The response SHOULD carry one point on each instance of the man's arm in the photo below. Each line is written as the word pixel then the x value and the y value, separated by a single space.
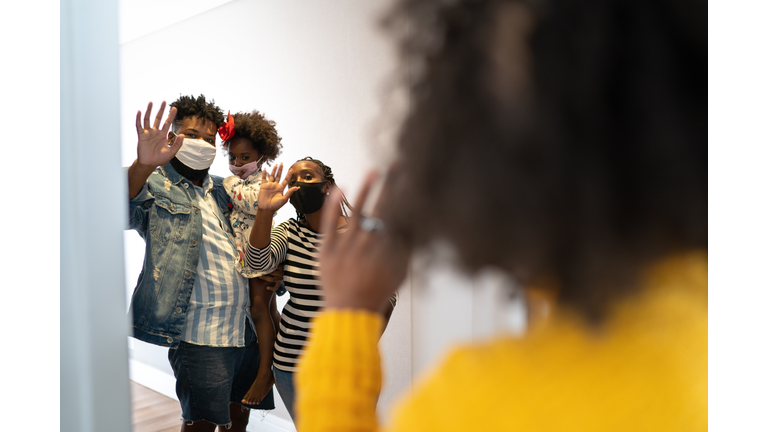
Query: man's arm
pixel 153 148
pixel 137 176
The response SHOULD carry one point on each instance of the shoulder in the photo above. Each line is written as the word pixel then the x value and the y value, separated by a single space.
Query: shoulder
pixel 230 181
pixel 159 183
pixel 216 180
pixel 648 358
pixel 289 225
pixel 157 177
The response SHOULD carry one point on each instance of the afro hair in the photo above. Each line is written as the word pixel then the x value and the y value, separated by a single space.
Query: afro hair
pixel 260 131
pixel 189 106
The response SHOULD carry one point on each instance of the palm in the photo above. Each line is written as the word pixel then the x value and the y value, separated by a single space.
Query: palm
pixel 153 148
pixel 272 193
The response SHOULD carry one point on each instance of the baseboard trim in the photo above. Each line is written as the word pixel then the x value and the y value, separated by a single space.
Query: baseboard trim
pixel 165 384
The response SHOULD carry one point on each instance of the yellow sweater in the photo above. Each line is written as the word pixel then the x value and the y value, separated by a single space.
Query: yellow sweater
pixel 645 370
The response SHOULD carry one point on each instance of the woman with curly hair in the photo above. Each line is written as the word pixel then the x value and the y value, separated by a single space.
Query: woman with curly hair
pixel 251 140
pixel 565 143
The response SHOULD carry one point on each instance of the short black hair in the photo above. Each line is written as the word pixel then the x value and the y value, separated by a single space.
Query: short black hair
pixel 260 131
pixel 189 106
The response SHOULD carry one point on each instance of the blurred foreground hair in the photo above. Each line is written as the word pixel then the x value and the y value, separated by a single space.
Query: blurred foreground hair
pixel 562 141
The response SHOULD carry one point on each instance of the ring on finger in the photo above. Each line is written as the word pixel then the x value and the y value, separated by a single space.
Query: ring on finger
pixel 371 224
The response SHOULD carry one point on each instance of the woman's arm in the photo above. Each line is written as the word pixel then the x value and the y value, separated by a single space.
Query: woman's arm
pixel 271 199
pixel 340 375
pixel 262 254
pixel 267 259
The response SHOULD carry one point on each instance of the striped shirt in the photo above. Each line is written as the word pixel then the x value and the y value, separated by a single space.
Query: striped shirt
pixel 296 246
pixel 219 304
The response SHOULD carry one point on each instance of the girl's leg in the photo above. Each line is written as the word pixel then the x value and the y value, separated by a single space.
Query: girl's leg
pixel 265 331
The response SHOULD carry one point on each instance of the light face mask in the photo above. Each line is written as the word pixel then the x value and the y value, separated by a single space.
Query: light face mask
pixel 196 154
pixel 246 170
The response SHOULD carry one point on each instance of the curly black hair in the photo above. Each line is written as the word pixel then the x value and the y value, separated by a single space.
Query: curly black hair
pixel 189 106
pixel 260 131
pixel 561 141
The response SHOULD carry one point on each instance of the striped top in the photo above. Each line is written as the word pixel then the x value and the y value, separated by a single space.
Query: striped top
pixel 219 304
pixel 296 245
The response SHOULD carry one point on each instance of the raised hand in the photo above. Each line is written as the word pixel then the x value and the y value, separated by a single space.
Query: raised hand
pixel 271 193
pixel 153 149
pixel 362 267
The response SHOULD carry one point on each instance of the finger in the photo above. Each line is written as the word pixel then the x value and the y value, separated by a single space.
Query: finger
pixel 362 197
pixel 159 116
pixel 274 169
pixel 331 213
pixel 291 191
pixel 146 115
pixel 169 121
pixel 177 143
pixel 279 172
pixel 139 129
pixel 287 178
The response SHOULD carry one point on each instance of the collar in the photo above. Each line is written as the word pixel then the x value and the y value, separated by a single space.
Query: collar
pixel 171 174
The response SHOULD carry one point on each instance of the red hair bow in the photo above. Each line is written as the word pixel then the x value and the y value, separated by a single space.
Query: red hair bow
pixel 227 131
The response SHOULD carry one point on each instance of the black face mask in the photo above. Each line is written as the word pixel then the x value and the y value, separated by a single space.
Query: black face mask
pixel 309 198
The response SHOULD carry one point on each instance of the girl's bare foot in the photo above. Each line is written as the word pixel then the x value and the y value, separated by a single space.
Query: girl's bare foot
pixel 258 390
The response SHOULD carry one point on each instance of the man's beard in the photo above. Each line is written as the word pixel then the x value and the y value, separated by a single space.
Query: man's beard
pixel 189 173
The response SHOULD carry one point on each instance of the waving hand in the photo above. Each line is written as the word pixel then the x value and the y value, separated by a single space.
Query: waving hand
pixel 153 149
pixel 271 196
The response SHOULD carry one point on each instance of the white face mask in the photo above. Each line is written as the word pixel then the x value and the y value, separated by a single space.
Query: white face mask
pixel 196 154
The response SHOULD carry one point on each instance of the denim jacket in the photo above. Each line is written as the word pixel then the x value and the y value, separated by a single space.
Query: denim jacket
pixel 167 215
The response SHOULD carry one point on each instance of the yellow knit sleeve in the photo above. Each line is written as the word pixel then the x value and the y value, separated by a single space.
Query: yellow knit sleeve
pixel 339 376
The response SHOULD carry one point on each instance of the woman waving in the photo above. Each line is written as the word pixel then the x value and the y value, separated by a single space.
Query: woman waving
pixel 295 242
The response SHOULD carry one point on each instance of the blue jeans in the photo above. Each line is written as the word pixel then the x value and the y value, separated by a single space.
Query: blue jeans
pixel 286 389
pixel 209 378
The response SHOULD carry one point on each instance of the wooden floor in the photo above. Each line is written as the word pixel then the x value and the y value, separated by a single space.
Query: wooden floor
pixel 153 412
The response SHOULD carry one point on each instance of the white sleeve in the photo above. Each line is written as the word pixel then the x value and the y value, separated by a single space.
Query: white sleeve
pixel 244 194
